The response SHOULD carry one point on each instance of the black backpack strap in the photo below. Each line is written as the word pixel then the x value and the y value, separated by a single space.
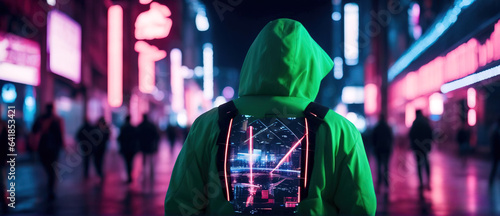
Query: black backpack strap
pixel 314 114
pixel 227 112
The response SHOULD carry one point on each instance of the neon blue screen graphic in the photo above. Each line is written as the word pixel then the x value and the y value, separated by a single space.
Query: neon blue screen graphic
pixel 265 164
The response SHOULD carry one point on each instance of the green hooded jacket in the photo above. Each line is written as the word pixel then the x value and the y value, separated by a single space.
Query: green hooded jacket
pixel 281 75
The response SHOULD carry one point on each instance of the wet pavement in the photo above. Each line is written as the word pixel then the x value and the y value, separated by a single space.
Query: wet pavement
pixel 457 187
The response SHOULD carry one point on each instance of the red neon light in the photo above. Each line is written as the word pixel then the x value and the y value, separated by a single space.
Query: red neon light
pixel 115 56
pixel 307 153
pixel 471 98
pixel 471 117
pixel 225 158
pixel 288 153
pixel 250 151
pixel 148 55
pixel 154 23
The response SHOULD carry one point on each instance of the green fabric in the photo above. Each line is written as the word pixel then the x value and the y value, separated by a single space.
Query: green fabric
pixel 281 75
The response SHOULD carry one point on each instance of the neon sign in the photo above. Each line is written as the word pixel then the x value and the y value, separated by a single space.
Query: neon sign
pixel 464 60
pixel 208 71
pixel 176 80
pixel 152 24
pixel 19 60
pixel 148 55
pixel 64 42
pixel 115 56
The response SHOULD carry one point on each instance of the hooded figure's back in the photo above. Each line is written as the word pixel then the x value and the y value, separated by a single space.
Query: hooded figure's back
pixel 280 76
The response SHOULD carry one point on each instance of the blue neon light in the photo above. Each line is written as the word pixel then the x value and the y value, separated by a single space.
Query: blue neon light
pixel 429 38
pixel 9 93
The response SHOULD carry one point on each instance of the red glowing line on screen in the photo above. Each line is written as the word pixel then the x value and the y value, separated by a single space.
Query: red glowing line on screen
pixel 307 153
pixel 115 56
pixel 288 153
pixel 250 151
pixel 225 158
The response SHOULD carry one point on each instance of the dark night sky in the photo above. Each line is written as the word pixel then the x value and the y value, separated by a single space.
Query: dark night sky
pixel 233 30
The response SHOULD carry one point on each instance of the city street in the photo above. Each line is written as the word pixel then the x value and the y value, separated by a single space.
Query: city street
pixel 456 188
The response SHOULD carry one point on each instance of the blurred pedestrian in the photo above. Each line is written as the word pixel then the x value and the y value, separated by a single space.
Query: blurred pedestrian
pixel 495 149
pixel 86 144
pixel 463 140
pixel 49 135
pixel 100 147
pixel 172 134
pixel 148 140
pixel 4 145
pixel 420 140
pixel 128 145
pixel 382 142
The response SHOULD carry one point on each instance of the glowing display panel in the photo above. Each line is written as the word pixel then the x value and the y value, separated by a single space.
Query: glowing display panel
pixel 265 164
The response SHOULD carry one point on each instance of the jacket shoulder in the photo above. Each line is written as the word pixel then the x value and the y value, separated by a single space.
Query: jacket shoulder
pixel 343 132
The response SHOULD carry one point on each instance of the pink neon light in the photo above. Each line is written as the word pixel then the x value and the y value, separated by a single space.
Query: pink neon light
pixel 371 93
pixel 154 23
pixel 64 43
pixel 145 1
pixel 115 56
pixel 250 151
pixel 148 55
pixel 307 153
pixel 460 62
pixel 471 97
pixel 471 117
pixel 409 115
pixel 225 158
pixel 436 104
pixel 288 153
pixel 176 80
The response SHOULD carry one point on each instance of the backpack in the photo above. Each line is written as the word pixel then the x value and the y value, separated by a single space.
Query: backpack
pixel 265 164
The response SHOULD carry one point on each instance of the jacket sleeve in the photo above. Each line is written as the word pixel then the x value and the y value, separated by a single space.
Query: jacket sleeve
pixel 355 194
pixel 186 192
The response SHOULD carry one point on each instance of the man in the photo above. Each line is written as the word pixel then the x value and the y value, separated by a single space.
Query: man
pixel 49 133
pixel 382 141
pixel 148 142
pixel 420 141
pixel 86 143
pixel 128 145
pixel 281 75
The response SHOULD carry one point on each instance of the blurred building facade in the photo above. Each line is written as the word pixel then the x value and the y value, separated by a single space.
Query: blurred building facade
pixel 445 64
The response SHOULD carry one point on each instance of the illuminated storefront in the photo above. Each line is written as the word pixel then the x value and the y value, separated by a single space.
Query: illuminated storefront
pixel 455 88
pixel 19 74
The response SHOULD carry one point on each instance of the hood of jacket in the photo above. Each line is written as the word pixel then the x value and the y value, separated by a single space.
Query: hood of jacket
pixel 284 61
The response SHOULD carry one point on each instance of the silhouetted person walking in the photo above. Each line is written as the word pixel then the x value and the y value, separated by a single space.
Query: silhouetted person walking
pixel 148 140
pixel 49 133
pixel 128 145
pixel 172 134
pixel 100 148
pixel 382 142
pixel 86 145
pixel 420 141
pixel 495 149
